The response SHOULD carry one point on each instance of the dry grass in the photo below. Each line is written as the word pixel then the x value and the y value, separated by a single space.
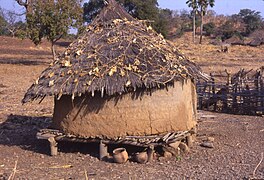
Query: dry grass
pixel 210 59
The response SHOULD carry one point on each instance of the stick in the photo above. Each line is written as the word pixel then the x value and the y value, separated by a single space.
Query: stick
pixel 12 175
pixel 261 159
pixel 53 146
pixel 85 173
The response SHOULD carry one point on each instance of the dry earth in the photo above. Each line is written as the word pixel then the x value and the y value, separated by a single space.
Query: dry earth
pixel 238 145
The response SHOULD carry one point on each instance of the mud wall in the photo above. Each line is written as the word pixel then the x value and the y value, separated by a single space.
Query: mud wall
pixel 139 113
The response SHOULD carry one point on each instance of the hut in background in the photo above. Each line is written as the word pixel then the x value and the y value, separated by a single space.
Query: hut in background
pixel 256 38
pixel 235 40
pixel 120 78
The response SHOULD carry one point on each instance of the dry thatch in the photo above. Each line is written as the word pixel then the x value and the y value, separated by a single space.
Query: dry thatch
pixel 235 40
pixel 257 38
pixel 116 54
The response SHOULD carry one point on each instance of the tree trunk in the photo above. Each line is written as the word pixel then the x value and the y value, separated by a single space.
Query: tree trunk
pixel 12 32
pixel 53 50
pixel 194 26
pixel 201 29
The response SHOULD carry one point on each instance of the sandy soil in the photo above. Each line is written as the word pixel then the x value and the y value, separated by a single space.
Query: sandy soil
pixel 238 144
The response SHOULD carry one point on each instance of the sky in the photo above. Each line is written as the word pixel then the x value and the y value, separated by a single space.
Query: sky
pixel 226 7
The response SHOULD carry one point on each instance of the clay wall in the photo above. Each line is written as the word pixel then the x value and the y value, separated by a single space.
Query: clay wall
pixel 138 113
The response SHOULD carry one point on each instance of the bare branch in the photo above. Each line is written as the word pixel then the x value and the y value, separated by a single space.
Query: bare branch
pixel 22 3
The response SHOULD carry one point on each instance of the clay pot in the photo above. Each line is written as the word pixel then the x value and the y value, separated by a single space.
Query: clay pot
pixel 141 157
pixel 120 155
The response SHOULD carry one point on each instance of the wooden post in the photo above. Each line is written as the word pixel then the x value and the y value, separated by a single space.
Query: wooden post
pixel 200 94
pixel 225 97
pixel 262 92
pixel 213 91
pixel 102 150
pixel 189 140
pixel 209 96
pixel 53 146
pixel 150 153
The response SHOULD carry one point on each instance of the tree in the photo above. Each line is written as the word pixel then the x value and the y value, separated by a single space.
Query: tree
pixel 147 9
pixel 203 5
pixel 3 22
pixel 209 28
pixel 91 9
pixel 27 4
pixel 139 9
pixel 144 10
pixel 252 20
pixel 194 5
pixel 10 23
pixel 164 21
pixel 51 19
pixel 13 22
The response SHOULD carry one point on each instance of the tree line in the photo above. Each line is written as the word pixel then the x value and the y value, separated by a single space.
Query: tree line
pixel 53 19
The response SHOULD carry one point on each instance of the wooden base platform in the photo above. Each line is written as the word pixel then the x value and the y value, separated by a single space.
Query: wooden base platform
pixel 149 142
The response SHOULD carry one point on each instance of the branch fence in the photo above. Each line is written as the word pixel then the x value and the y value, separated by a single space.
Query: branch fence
pixel 239 93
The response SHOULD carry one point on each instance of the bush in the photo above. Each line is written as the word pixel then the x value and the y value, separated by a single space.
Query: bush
pixel 209 28
pixel 226 31
pixel 252 19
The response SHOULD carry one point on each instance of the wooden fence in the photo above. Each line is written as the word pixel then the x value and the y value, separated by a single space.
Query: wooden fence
pixel 240 93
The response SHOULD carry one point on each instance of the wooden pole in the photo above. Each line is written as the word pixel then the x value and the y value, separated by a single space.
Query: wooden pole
pixel 213 90
pixel 150 153
pixel 53 146
pixel 189 140
pixel 102 150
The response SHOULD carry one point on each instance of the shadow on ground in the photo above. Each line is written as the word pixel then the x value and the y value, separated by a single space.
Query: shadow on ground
pixel 22 62
pixel 18 130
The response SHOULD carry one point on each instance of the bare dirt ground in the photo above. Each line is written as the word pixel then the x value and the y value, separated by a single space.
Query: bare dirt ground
pixel 238 145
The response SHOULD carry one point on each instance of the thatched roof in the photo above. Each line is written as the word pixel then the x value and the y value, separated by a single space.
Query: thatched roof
pixel 257 38
pixel 116 54
pixel 235 40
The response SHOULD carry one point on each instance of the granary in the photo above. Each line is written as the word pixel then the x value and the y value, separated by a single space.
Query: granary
pixel 120 78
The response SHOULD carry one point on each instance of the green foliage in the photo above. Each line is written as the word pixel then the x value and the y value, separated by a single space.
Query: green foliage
pixel 203 4
pixel 52 19
pixel 143 10
pixel 162 23
pixel 209 28
pixel 252 19
pixel 183 23
pixel 192 4
pixel 91 9
pixel 227 30
pixel 147 9
pixel 3 23
pixel 241 24
pixel 10 23
pixel 139 9
pixel 21 30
